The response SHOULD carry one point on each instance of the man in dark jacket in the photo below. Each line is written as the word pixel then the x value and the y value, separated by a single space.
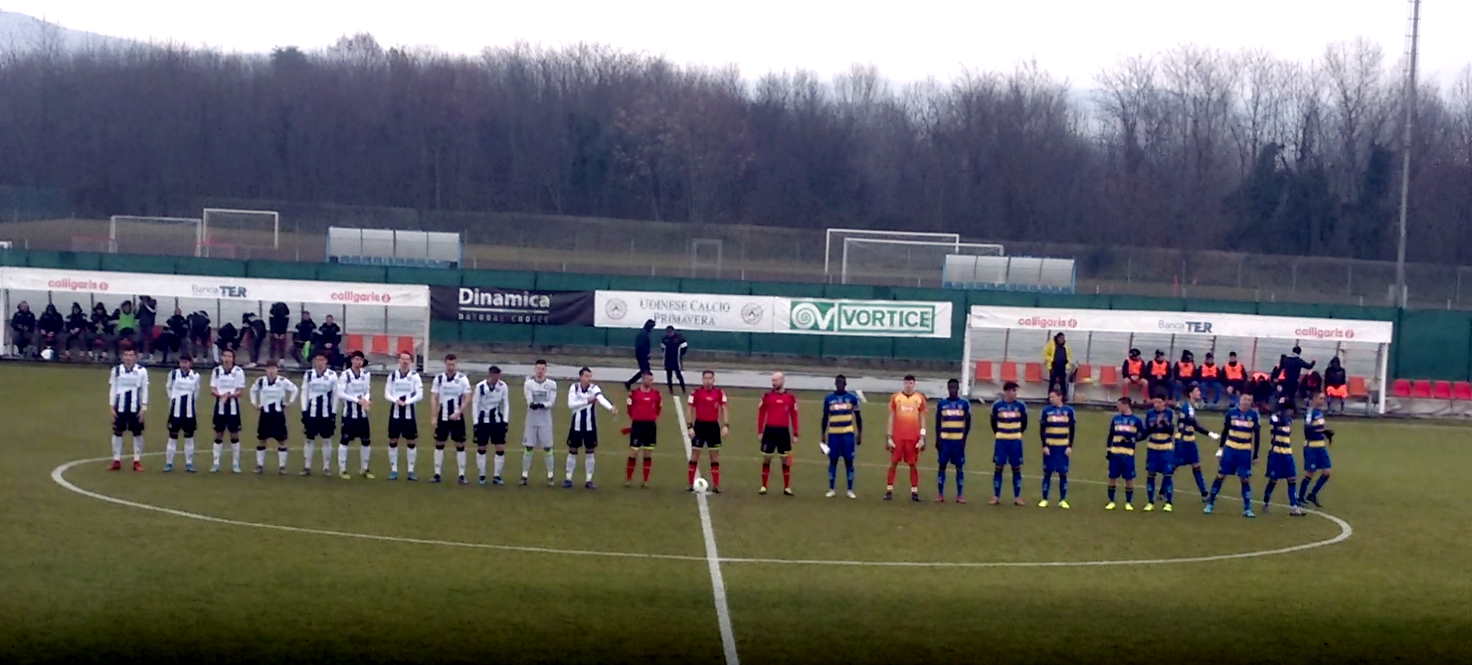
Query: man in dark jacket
pixel 280 326
pixel 23 328
pixel 50 326
pixel 1292 367
pixel 227 339
pixel 642 346
pixel 106 328
pixel 252 336
pixel 1336 384
pixel 329 341
pixel 199 334
pixel 147 318
pixel 79 330
pixel 174 335
pixel 675 346
pixel 301 340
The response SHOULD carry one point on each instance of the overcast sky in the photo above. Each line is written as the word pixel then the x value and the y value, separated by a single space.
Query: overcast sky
pixel 908 40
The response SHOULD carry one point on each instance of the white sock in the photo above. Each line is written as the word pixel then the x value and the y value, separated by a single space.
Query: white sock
pixel 572 465
pixel 137 448
pixel 169 447
pixel 480 462
pixel 215 450
pixel 413 457
pixel 342 457
pixel 308 449
pixel 235 453
pixel 439 460
pixel 551 462
pixel 281 457
pixel 460 461
pixel 189 451
pixel 117 449
pixel 500 463
pixel 260 457
pixel 327 457
pixel 363 458
pixel 393 459
pixel 526 463
pixel 588 463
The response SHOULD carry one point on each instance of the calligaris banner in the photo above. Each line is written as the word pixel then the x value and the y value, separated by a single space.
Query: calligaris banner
pixel 221 288
pixel 773 314
pixel 494 305
pixel 1182 323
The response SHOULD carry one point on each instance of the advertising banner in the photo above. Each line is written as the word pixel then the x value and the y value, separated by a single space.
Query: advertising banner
pixel 493 305
pixel 884 318
pixel 686 311
pixel 1183 323
pixel 223 288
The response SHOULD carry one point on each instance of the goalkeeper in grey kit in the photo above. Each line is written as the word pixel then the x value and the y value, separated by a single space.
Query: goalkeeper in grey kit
pixel 540 393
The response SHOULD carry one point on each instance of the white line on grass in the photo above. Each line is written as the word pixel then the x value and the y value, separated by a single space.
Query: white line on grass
pixel 712 556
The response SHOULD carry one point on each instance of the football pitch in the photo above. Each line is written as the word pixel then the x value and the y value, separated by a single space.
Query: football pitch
pixel 100 566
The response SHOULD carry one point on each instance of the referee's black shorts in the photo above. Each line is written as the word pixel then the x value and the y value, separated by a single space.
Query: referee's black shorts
pixel 707 435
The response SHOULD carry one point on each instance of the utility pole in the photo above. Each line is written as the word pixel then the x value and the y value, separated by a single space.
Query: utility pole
pixel 1409 102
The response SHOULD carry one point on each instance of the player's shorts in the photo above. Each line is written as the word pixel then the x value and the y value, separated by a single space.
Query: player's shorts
pixel 127 422
pixel 1160 461
pixel 1316 459
pixel 1121 466
pixel 355 428
pixel 583 440
pixel 272 425
pixel 403 428
pixel 776 441
pixel 1056 460
pixel 951 452
pixel 1007 452
pixel 537 435
pixel 449 430
pixel 1281 466
pixel 1187 454
pixel 707 435
pixel 905 452
pixel 841 446
pixel 643 434
pixel 492 433
pixel 227 423
pixel 185 426
pixel 1235 462
pixel 317 427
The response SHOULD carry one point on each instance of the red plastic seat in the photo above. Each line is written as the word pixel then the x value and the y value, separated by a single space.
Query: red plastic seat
pixel 1009 372
pixel 1441 390
pixel 1400 388
pixel 353 342
pixel 984 371
pixel 1085 372
pixel 1033 372
pixel 1421 389
pixel 1109 376
pixel 1462 391
pixel 1360 390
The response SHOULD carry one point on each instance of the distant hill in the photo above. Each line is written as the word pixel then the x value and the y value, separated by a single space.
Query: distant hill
pixel 23 33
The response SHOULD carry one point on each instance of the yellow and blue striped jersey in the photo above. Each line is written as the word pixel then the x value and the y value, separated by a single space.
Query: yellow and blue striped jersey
pixel 1124 431
pixel 841 413
pixel 1009 420
pixel 1160 429
pixel 1187 427
pixel 1241 429
pixel 1282 430
pixel 1058 424
pixel 953 419
pixel 1315 429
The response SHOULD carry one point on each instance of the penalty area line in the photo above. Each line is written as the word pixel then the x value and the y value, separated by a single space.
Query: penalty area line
pixel 712 555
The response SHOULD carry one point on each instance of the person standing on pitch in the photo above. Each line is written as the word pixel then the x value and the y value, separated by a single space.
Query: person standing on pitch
pixel 1317 438
pixel 709 425
pixel 491 404
pixel 1241 436
pixel 776 424
pixel 354 386
pixel 582 432
pixel 541 394
pixel 1160 447
pixel 182 387
pixel 674 346
pixel 272 394
pixel 952 426
pixel 319 417
pixel 402 390
pixel 1187 427
pixel 1009 423
pixel 1281 465
pixel 127 399
pixel 227 382
pixel 642 346
pixel 447 403
pixel 1058 424
pixel 1057 362
pixel 1124 431
pixel 841 430
pixel 905 437
pixel 645 404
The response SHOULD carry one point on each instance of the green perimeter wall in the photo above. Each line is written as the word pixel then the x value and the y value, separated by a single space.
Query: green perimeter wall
pixel 1432 344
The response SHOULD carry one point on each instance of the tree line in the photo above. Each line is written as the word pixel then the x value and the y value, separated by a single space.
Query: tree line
pixel 1188 148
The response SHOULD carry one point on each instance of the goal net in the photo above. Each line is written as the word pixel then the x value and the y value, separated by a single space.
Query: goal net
pixel 900 262
pixel 833 244
pixel 1006 344
pixel 170 236
pixel 230 231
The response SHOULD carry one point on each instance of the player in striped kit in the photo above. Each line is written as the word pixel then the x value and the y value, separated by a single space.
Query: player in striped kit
pixel 582 432
pixel 227 382
pixel 1241 434
pixel 541 394
pixel 183 389
pixel 1125 430
pixel 1009 423
pixel 403 389
pixel 1187 427
pixel 952 426
pixel 1317 438
pixel 1059 425
pixel 272 394
pixel 1160 448
pixel 840 431
pixel 491 403
pixel 354 385
pixel 127 399
pixel 1281 465
pixel 447 402
pixel 319 417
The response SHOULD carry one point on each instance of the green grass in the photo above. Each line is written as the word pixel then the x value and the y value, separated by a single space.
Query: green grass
pixel 87 580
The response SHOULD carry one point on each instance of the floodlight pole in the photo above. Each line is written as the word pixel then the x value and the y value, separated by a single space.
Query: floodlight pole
pixel 1409 102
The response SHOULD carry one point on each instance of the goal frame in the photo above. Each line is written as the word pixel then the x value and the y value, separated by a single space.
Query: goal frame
pixel 828 240
pixel 955 247
pixel 205 237
pixel 112 228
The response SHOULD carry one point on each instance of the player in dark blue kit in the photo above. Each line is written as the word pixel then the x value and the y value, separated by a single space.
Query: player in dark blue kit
pixel 1241 434
pixel 1281 465
pixel 842 428
pixel 1009 422
pixel 1057 424
pixel 1187 454
pixel 1160 449
pixel 1317 438
pixel 952 426
pixel 1124 430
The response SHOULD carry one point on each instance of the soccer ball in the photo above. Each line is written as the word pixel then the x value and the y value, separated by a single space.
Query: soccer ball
pixel 47 354
pixel 701 485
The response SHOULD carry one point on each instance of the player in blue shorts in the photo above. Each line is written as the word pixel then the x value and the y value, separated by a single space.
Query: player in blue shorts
pixel 1317 438
pixel 1187 427
pixel 842 427
pixel 1241 434
pixel 1160 449
pixel 1057 425
pixel 1009 422
pixel 1124 431
pixel 1281 465
pixel 952 426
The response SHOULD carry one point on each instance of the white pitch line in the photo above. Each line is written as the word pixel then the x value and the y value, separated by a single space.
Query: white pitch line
pixel 712 556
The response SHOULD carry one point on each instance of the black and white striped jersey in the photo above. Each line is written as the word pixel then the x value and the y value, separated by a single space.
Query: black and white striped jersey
pixel 183 389
pixel 351 389
pixel 319 393
pixel 231 384
pixel 451 391
pixel 272 396
pixel 581 401
pixel 128 389
pixel 405 385
pixel 492 403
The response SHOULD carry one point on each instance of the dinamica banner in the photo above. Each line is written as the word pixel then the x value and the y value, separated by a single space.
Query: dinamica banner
pixel 222 288
pixel 1182 323
pixel 878 318
pixel 686 311
pixel 493 305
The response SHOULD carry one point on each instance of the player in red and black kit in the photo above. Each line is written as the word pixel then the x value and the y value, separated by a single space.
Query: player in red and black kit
pixel 644 403
pixel 776 420
pixel 709 423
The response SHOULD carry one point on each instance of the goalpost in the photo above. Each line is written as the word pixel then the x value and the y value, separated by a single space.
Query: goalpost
pixel 907 262
pixel 226 231
pixel 138 234
pixel 840 234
